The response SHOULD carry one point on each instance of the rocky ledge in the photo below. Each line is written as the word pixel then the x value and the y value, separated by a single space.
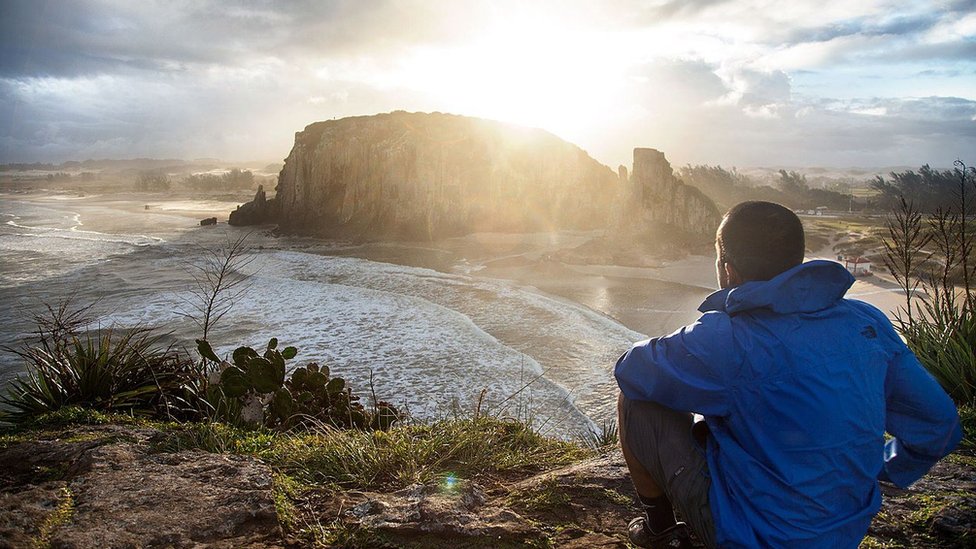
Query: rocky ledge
pixel 114 486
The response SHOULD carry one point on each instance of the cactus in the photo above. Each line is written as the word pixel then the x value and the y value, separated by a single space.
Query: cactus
pixel 262 376
pixel 242 355
pixel 254 389
pixel 385 416
pixel 233 382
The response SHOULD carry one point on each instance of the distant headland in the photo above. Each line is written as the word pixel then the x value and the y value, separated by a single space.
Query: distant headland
pixel 422 176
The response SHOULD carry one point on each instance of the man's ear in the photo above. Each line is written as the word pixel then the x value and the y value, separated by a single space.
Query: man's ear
pixel 732 275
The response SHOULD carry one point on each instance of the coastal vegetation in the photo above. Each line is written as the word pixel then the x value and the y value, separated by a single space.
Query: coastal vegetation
pixel 234 179
pixel 325 445
pixel 931 258
pixel 927 188
pixel 143 175
pixel 728 187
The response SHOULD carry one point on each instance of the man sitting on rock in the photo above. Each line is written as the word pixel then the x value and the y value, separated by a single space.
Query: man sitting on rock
pixel 797 386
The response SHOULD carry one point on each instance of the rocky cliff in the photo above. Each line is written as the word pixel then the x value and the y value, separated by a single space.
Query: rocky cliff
pixel 423 176
pixel 656 199
pixel 654 215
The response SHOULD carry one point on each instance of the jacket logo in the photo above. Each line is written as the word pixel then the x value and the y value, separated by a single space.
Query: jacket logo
pixel 869 332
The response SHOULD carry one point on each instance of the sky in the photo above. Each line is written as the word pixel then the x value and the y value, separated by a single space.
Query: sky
pixel 865 83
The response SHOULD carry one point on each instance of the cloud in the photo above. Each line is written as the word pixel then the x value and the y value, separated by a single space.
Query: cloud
pixel 755 88
pixel 732 81
pixel 876 132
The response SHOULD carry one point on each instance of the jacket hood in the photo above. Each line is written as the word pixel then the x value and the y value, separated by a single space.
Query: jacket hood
pixel 806 288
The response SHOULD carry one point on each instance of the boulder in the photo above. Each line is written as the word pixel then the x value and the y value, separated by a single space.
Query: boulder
pixel 256 212
pixel 105 487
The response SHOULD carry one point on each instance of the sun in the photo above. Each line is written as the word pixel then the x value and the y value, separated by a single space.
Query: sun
pixel 563 79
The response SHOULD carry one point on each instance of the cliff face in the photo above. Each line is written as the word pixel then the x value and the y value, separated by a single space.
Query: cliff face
pixel 422 176
pixel 656 198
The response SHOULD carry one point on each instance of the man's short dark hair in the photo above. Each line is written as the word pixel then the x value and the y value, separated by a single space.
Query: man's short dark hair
pixel 760 239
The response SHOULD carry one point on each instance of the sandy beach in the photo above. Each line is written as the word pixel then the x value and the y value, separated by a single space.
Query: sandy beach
pixel 451 317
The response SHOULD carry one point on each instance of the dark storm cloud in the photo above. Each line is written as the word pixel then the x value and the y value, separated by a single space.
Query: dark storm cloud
pixel 934 130
pixel 769 125
pixel 964 51
pixel 104 78
pixel 47 38
pixel 962 6
pixel 905 25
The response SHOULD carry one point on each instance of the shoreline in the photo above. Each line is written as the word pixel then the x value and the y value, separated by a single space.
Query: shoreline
pixel 583 317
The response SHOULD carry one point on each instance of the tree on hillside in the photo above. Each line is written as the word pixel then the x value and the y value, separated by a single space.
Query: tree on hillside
pixel 928 189
pixel 793 183
pixel 233 180
pixel 152 182
pixel 728 187
pixel 239 179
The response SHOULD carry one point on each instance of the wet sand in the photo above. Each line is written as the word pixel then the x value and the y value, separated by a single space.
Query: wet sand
pixel 654 300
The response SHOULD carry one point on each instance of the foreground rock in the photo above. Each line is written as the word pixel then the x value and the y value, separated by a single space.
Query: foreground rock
pixel 587 505
pixel 581 506
pixel 103 487
pixel 111 486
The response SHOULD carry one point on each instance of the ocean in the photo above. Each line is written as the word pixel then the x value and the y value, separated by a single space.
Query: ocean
pixel 433 327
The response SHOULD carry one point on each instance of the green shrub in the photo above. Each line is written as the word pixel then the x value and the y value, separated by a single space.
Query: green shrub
pixel 967 416
pixel 933 260
pixel 253 391
pixel 945 343
pixel 110 371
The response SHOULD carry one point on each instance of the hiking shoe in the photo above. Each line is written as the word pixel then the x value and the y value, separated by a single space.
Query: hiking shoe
pixel 675 537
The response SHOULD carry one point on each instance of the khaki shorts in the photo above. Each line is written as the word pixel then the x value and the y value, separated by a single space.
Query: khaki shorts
pixel 661 439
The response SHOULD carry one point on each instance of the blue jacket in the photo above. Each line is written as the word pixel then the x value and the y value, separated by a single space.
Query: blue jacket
pixel 798 386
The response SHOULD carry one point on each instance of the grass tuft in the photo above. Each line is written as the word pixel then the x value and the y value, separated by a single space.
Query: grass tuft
pixel 547 495
pixel 285 490
pixel 967 417
pixel 60 516
pixel 392 459
pixel 107 371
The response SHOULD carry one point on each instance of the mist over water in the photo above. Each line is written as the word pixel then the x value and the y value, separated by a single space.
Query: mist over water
pixel 430 325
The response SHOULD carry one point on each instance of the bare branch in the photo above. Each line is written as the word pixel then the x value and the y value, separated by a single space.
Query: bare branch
pixel 218 282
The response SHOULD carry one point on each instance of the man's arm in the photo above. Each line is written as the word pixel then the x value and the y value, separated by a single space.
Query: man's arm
pixel 921 418
pixel 684 371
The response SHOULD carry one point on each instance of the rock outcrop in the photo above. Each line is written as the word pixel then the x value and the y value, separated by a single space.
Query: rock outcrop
pixel 423 176
pixel 655 216
pixel 256 212
pixel 656 198
pixel 420 176
pixel 123 486
pixel 103 486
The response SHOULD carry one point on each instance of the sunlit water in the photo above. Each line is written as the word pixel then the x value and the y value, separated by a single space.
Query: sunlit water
pixel 425 325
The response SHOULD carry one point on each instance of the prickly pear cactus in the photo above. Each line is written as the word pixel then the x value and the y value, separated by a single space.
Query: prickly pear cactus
pixel 254 391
